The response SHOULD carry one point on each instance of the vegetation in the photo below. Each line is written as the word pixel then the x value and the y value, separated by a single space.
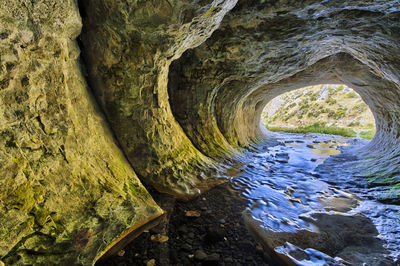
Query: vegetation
pixel 368 134
pixel 316 128
pixel 330 109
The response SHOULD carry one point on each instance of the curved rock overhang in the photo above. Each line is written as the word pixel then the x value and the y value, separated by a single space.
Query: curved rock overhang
pixel 182 85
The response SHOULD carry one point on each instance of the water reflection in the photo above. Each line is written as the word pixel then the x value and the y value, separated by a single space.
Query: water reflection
pixel 288 203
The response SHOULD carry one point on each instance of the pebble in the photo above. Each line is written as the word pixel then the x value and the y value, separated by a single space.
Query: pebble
pixel 183 229
pixel 159 238
pixel 228 260
pixel 214 257
pixel 200 255
pixel 192 214
pixel 215 233
pixel 151 262
pixel 186 247
pixel 222 221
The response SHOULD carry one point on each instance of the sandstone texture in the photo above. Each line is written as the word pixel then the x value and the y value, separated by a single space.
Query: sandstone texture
pixel 66 190
pixel 182 85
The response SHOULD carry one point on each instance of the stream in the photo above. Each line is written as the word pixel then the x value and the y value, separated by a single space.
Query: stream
pixel 303 219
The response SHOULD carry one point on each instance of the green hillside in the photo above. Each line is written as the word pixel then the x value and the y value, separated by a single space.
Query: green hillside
pixel 331 109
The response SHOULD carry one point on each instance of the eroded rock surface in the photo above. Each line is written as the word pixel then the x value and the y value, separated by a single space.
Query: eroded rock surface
pixel 129 46
pixel 66 190
pixel 182 84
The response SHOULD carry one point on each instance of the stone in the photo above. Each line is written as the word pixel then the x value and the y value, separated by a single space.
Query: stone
pixel 213 257
pixel 200 255
pixel 228 260
pixel 192 214
pixel 186 247
pixel 291 254
pixel 151 262
pixel 159 238
pixel 215 233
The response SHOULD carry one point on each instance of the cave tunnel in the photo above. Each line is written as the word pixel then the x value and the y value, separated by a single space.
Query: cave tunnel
pixel 101 97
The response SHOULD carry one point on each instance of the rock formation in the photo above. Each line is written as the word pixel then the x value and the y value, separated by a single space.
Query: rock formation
pixel 182 85
pixel 66 192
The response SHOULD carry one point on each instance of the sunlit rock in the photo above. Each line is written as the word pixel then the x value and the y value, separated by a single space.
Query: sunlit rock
pixel 67 193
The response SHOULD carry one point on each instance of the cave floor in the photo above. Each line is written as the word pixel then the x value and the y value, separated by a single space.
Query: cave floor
pixel 278 191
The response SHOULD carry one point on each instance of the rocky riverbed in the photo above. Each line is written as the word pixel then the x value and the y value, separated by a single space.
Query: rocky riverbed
pixel 279 207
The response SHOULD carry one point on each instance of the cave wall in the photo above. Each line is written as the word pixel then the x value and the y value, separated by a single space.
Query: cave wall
pixel 66 190
pixel 181 85
pixel 265 48
pixel 128 47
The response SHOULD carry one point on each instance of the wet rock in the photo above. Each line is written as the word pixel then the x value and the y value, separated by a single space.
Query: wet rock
pixel 292 255
pixel 333 233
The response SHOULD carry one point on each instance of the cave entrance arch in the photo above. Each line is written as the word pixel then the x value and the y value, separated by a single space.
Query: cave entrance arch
pixel 324 108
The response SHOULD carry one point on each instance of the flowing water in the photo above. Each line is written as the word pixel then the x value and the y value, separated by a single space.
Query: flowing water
pixel 303 219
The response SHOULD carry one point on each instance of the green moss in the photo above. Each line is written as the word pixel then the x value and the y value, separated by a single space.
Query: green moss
pixel 133 188
pixel 212 11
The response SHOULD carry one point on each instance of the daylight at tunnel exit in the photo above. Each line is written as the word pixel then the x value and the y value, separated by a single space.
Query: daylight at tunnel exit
pixel 209 132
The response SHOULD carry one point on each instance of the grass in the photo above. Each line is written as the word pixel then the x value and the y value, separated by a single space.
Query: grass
pixel 316 128
pixel 368 134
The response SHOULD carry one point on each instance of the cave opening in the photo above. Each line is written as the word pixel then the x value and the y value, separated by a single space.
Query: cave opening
pixel 325 108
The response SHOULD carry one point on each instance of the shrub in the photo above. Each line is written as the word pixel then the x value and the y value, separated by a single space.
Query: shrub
pixel 330 101
pixel 351 94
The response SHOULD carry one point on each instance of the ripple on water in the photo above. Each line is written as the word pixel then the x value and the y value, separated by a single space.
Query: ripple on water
pixel 289 206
